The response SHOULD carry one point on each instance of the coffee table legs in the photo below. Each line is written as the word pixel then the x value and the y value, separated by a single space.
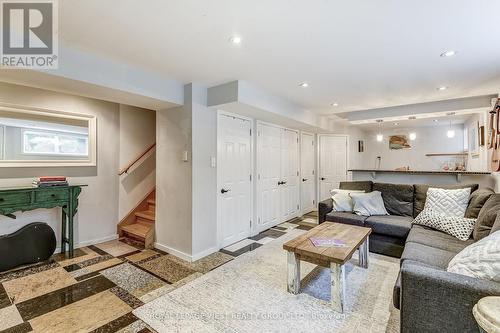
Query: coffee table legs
pixel 293 272
pixel 337 277
pixel 363 254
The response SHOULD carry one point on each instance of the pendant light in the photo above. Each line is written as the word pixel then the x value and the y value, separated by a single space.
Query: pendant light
pixel 451 132
pixel 380 137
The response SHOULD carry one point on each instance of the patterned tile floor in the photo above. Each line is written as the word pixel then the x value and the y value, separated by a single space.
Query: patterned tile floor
pixel 97 290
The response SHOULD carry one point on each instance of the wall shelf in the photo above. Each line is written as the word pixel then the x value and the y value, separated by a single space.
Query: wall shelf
pixel 458 174
pixel 447 154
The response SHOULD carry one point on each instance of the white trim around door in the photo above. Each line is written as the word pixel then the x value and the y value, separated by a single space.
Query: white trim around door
pixel 235 178
pixel 326 161
pixel 308 200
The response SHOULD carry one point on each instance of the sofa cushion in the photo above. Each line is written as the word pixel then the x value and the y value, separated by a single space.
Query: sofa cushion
pixel 434 238
pixel 386 245
pixel 427 255
pixel 487 217
pixel 346 218
pixel 357 185
pixel 391 225
pixel 421 194
pixel 496 225
pixel 477 200
pixel 398 198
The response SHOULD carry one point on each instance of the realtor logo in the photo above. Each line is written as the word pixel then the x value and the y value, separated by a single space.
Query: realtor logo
pixel 29 34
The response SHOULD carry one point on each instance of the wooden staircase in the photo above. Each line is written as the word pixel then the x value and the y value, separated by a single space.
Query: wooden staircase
pixel 139 224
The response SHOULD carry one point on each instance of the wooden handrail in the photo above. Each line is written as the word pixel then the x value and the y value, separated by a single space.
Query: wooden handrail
pixel 124 170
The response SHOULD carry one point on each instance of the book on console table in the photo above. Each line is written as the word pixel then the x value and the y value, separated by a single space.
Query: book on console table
pixel 327 242
pixel 51 181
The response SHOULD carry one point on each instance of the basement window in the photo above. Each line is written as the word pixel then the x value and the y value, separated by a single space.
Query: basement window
pixel 55 143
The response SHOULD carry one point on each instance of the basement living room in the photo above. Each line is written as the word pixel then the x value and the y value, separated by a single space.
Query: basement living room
pixel 237 166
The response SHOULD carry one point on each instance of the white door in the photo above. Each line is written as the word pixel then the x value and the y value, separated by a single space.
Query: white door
pixel 308 191
pixel 332 163
pixel 289 174
pixel 234 172
pixel 269 176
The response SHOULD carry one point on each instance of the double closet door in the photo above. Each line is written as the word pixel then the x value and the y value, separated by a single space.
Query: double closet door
pixel 277 175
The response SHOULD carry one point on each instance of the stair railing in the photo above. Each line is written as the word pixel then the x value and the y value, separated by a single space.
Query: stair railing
pixel 137 159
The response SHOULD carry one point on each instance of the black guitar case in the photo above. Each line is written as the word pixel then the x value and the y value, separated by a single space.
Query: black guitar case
pixel 32 243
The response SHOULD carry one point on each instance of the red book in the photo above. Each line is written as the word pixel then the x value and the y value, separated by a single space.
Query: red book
pixel 52 179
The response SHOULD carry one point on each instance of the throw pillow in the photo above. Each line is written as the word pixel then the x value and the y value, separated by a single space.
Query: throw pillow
pixel 480 260
pixel 486 218
pixel 459 227
pixel 477 200
pixel 421 194
pixel 368 204
pixel 449 202
pixel 342 202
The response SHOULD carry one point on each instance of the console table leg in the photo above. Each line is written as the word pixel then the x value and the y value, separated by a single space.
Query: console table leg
pixel 293 273
pixel 71 214
pixel 363 254
pixel 63 231
pixel 337 277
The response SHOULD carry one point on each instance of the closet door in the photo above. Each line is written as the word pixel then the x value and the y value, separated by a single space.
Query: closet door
pixel 269 175
pixel 307 173
pixel 235 186
pixel 289 174
pixel 332 163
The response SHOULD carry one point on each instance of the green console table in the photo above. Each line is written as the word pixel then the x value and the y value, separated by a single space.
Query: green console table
pixel 15 199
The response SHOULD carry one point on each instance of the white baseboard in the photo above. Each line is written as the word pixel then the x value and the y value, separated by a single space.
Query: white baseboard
pixel 173 251
pixel 204 253
pixel 91 242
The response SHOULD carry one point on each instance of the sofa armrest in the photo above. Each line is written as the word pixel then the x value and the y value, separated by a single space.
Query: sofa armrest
pixel 433 300
pixel 324 207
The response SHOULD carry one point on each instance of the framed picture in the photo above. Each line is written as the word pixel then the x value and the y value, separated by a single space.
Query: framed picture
pixel 474 140
pixel 361 146
pixel 398 142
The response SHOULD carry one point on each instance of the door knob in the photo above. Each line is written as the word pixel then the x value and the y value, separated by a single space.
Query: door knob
pixel 304 179
pixel 322 178
pixel 280 183
pixel 224 191
pixel 283 183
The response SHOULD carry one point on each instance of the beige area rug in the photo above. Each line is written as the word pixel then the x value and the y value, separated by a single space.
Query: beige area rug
pixel 249 294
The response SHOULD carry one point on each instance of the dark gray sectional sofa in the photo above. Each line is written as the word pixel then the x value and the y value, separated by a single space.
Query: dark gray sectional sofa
pixel 430 298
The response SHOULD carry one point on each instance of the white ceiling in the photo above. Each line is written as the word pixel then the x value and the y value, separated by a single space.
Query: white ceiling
pixel 361 54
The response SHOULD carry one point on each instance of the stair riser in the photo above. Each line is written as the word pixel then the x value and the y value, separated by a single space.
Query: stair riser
pixel 135 237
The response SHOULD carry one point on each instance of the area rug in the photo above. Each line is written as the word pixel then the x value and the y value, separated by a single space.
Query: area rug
pixel 249 294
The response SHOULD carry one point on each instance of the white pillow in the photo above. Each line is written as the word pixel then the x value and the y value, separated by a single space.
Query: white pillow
pixel 342 202
pixel 368 204
pixel 449 202
pixel 459 227
pixel 480 260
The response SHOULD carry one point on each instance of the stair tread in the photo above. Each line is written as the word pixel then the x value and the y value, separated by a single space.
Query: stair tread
pixel 137 229
pixel 146 214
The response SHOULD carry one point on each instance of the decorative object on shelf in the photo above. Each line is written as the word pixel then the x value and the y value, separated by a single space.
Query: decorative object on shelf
pixel 481 136
pixel 398 142
pixel 405 168
pixel 361 146
pixel 50 181
pixel 15 199
pixel 495 155
pixel 32 243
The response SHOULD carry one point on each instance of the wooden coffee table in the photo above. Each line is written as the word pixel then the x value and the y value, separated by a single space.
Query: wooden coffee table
pixel 301 248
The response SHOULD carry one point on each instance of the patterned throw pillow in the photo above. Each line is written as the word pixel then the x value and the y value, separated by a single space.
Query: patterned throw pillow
pixel 459 227
pixel 480 260
pixel 449 202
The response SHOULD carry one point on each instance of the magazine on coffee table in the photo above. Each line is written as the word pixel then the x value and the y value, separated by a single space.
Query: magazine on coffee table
pixel 327 242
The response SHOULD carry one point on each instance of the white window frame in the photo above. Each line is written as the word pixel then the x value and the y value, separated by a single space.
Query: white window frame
pixel 90 161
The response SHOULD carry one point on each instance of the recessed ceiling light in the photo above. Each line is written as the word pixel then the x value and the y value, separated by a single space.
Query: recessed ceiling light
pixel 413 136
pixel 435 120
pixel 304 85
pixel 442 88
pixel 335 104
pixel 396 124
pixel 448 54
pixel 235 40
